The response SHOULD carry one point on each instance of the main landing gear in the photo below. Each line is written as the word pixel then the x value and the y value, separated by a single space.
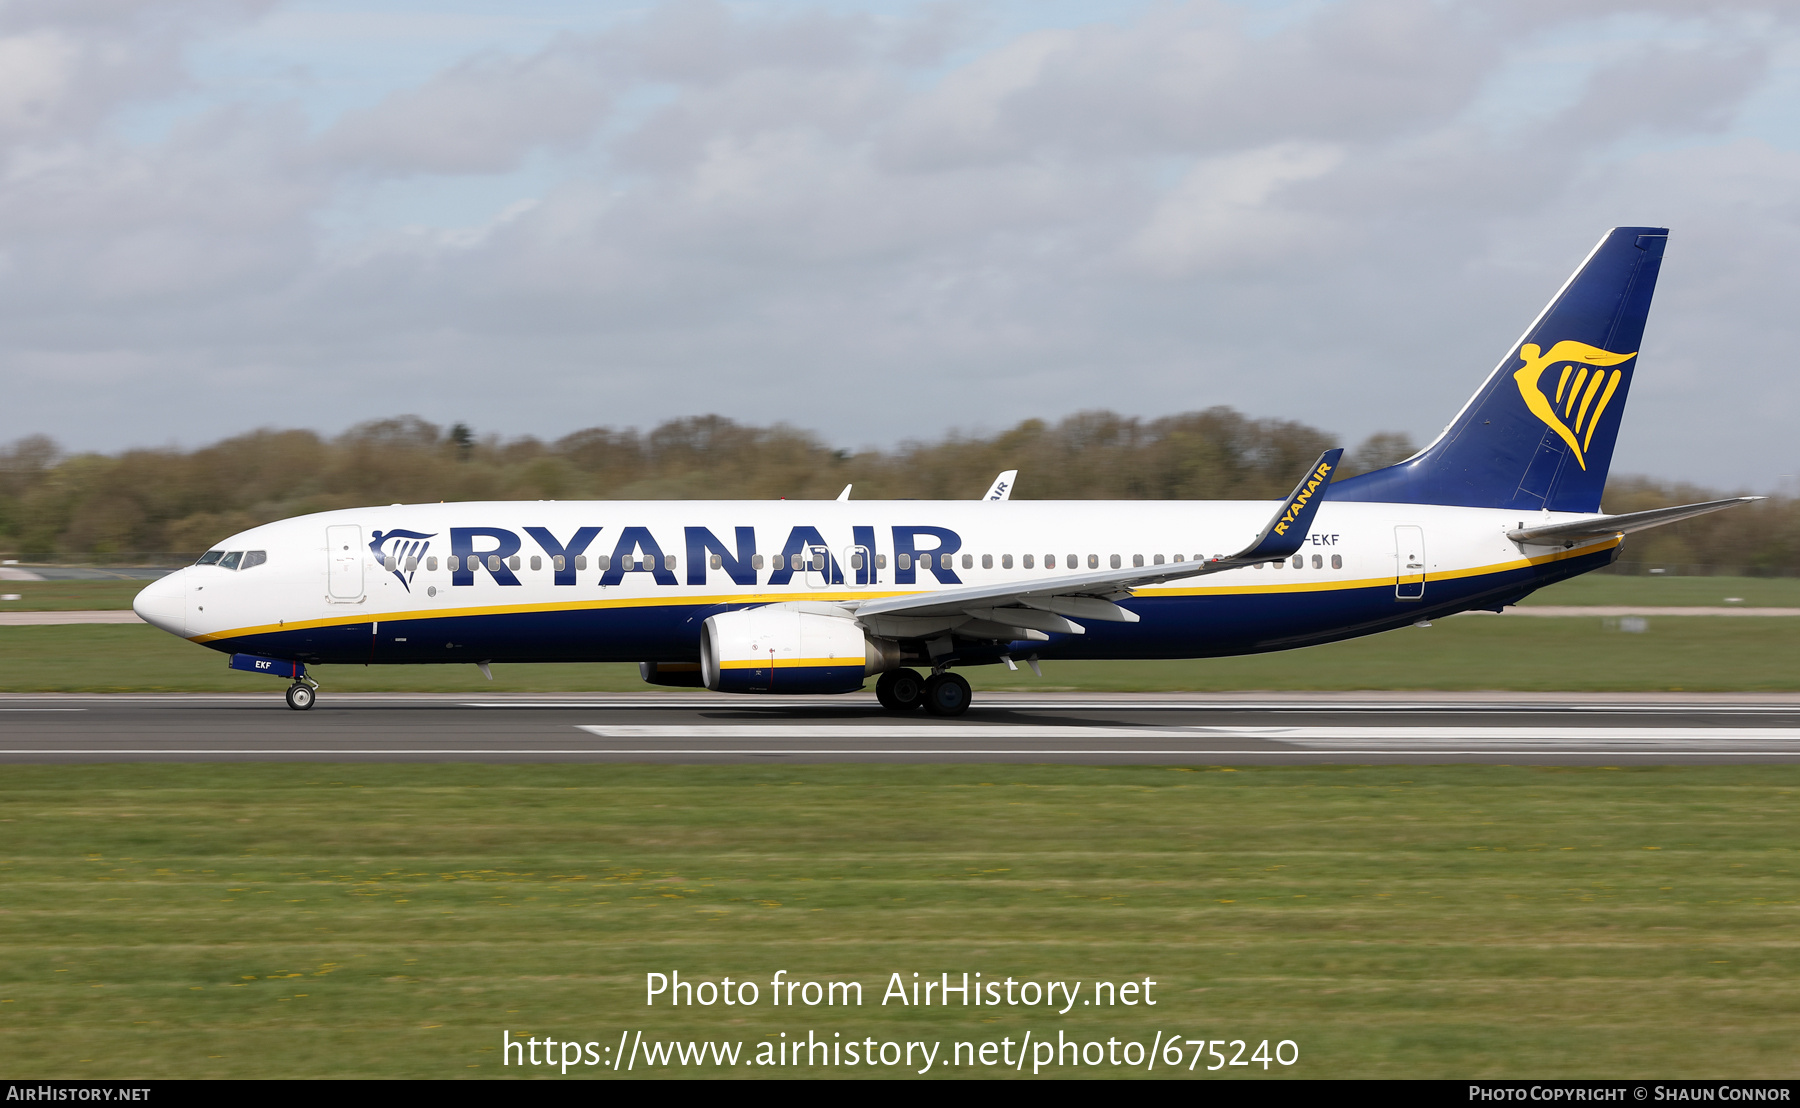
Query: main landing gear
pixel 300 695
pixel 900 690
pixel 942 694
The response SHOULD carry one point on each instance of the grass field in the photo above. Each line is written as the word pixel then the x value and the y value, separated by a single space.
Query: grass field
pixel 360 920
pixel 1689 653
pixel 69 596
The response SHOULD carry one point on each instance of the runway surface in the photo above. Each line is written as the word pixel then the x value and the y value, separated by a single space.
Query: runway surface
pixel 1104 729
pixel 126 615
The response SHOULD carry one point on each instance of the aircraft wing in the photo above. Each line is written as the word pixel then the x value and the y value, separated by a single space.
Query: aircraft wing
pixel 1029 608
pixel 1605 527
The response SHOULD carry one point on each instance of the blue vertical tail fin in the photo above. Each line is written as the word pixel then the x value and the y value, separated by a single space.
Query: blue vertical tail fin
pixel 1539 433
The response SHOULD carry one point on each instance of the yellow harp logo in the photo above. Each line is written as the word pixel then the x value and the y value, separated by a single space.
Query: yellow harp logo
pixel 1572 412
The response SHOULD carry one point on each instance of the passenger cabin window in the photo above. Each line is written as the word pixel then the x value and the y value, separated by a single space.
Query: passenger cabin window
pixel 1299 561
pixel 1114 562
pixel 1337 561
pixel 1178 557
pixel 1027 560
pixel 1049 561
pixel 1094 561
pixel 559 563
pixel 1006 561
pixel 412 562
pixel 924 561
pixel 537 562
pixel 906 561
pixel 603 562
pixel 1074 561
pixel 231 560
pixel 777 561
pixel 581 561
pixel 756 561
pixel 1318 562
pixel 881 561
pixel 856 560
pixel 210 558
pixel 254 558
pixel 969 561
pixel 668 561
pixel 1156 561
pixel 388 563
pixel 717 562
pixel 453 563
pixel 431 563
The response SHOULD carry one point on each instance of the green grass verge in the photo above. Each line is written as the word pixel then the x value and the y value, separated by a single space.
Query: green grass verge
pixel 1759 592
pixel 365 920
pixel 70 596
pixel 1468 652
pixel 1610 588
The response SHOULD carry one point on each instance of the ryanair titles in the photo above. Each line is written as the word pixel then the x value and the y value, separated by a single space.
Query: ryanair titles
pixel 1298 504
pixel 495 551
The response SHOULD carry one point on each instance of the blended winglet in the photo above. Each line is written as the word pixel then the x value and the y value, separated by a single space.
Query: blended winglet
pixel 1287 532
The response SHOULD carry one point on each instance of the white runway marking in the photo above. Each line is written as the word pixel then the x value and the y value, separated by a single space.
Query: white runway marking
pixel 1329 707
pixel 43 709
pixel 878 731
pixel 1361 738
pixel 955 752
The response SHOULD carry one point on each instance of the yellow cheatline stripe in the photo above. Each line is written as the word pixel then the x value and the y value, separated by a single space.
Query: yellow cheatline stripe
pixel 556 606
pixel 794 663
pixel 775 598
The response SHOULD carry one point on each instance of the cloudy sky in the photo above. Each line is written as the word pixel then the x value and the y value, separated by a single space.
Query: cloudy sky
pixel 883 220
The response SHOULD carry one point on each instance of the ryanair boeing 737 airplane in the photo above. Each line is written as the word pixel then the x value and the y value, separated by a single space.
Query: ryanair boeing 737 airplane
pixel 816 597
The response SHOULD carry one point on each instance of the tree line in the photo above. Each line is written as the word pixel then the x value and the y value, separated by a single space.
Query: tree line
pixel 175 501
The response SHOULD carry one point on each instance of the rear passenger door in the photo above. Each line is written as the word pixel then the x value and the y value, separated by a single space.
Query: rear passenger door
pixel 1409 562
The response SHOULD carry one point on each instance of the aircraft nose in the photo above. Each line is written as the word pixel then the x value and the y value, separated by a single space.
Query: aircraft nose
pixel 163 603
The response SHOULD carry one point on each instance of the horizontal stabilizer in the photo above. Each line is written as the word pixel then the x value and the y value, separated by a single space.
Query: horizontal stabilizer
pixel 1603 527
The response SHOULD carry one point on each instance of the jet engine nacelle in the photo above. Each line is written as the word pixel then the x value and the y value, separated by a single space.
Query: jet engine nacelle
pixel 782 649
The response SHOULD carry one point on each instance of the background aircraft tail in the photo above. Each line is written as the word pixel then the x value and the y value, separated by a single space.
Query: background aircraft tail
pixel 1539 433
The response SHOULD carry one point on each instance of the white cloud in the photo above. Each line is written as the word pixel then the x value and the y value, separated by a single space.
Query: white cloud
pixel 815 216
pixel 1220 216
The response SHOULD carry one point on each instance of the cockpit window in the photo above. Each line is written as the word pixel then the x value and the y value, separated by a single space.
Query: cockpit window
pixel 230 561
pixel 210 558
pixel 254 558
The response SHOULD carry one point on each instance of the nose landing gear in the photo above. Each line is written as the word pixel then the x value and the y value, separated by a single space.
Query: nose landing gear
pixel 301 694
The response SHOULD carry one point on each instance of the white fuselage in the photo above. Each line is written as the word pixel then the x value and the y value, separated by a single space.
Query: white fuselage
pixel 375 584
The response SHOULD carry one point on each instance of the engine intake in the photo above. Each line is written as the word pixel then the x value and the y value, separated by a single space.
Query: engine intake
pixel 785 650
